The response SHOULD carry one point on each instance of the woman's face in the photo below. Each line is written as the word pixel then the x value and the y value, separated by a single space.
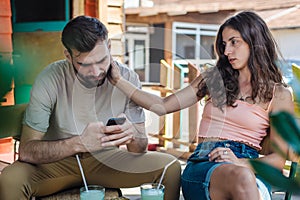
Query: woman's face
pixel 236 49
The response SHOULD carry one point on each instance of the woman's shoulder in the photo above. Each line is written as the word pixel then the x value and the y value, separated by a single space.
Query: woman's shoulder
pixel 283 98
pixel 282 91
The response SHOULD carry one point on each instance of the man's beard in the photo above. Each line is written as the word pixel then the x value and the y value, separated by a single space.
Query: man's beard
pixel 86 81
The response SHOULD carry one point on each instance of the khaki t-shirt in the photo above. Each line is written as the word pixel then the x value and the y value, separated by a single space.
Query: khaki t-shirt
pixel 61 106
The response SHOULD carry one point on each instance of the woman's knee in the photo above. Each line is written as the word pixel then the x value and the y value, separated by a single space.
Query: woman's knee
pixel 244 177
pixel 244 183
pixel 236 174
pixel 240 182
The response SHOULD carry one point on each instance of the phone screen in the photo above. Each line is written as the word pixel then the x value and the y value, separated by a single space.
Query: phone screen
pixel 115 121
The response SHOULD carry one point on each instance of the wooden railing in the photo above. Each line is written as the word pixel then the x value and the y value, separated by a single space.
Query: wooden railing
pixel 171 80
pixel 168 79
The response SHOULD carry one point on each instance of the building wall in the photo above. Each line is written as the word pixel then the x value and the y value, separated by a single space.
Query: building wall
pixel 5 28
pixel 114 18
pixel 35 50
pixel 5 31
pixel 288 42
pixel 5 53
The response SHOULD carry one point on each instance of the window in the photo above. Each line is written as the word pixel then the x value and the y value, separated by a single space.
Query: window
pixel 138 3
pixel 185 46
pixel 37 15
pixel 193 42
pixel 137 50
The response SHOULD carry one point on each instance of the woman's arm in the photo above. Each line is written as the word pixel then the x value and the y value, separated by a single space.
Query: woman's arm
pixel 161 106
pixel 282 101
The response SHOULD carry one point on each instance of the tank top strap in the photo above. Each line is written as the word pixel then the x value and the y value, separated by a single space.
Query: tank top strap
pixel 274 88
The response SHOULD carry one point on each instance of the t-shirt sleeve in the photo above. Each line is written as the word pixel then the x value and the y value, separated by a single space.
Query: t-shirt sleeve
pixel 38 111
pixel 134 112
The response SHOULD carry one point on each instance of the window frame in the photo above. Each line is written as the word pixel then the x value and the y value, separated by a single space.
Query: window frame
pixel 193 29
pixel 46 26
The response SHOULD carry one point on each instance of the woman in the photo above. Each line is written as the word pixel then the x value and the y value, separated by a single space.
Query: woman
pixel 244 87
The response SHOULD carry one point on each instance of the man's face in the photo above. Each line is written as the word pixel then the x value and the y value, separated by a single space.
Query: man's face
pixel 92 66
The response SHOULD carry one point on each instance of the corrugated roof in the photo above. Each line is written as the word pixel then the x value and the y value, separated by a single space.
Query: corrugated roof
pixel 282 18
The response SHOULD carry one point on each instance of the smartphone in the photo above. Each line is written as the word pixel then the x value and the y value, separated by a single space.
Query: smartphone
pixel 115 121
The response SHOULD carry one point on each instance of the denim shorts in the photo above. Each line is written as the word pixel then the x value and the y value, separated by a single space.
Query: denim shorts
pixel 195 178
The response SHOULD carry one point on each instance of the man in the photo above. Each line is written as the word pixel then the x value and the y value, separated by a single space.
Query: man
pixel 70 103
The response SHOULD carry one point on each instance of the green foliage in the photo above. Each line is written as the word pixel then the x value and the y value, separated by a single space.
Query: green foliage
pixel 275 177
pixel 287 127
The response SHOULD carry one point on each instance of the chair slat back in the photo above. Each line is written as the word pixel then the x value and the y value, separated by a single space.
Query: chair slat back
pixel 11 120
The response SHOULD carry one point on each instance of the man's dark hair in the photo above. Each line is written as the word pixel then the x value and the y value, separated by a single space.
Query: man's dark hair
pixel 82 33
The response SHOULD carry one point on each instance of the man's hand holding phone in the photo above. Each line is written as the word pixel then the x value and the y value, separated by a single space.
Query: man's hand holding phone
pixel 118 131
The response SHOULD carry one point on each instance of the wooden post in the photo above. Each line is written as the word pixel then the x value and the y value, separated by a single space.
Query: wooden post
pixel 162 124
pixel 168 41
pixel 91 8
pixel 102 6
pixel 194 119
pixel 178 77
pixel 78 8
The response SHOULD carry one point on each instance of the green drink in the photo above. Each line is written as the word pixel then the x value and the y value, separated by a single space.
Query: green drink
pixel 95 192
pixel 149 191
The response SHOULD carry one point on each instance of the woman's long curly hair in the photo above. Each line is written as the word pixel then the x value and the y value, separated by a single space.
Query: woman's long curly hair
pixel 220 83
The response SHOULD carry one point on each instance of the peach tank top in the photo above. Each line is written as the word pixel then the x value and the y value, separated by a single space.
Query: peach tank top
pixel 246 123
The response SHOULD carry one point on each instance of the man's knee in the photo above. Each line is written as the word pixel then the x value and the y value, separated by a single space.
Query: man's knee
pixel 15 175
pixel 173 175
pixel 175 168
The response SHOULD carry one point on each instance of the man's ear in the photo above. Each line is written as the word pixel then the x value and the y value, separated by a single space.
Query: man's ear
pixel 68 55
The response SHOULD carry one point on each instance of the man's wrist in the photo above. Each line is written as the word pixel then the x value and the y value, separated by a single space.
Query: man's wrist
pixel 77 145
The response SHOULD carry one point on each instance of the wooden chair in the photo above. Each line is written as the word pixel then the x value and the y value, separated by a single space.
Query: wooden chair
pixel 290 166
pixel 296 74
pixel 10 123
